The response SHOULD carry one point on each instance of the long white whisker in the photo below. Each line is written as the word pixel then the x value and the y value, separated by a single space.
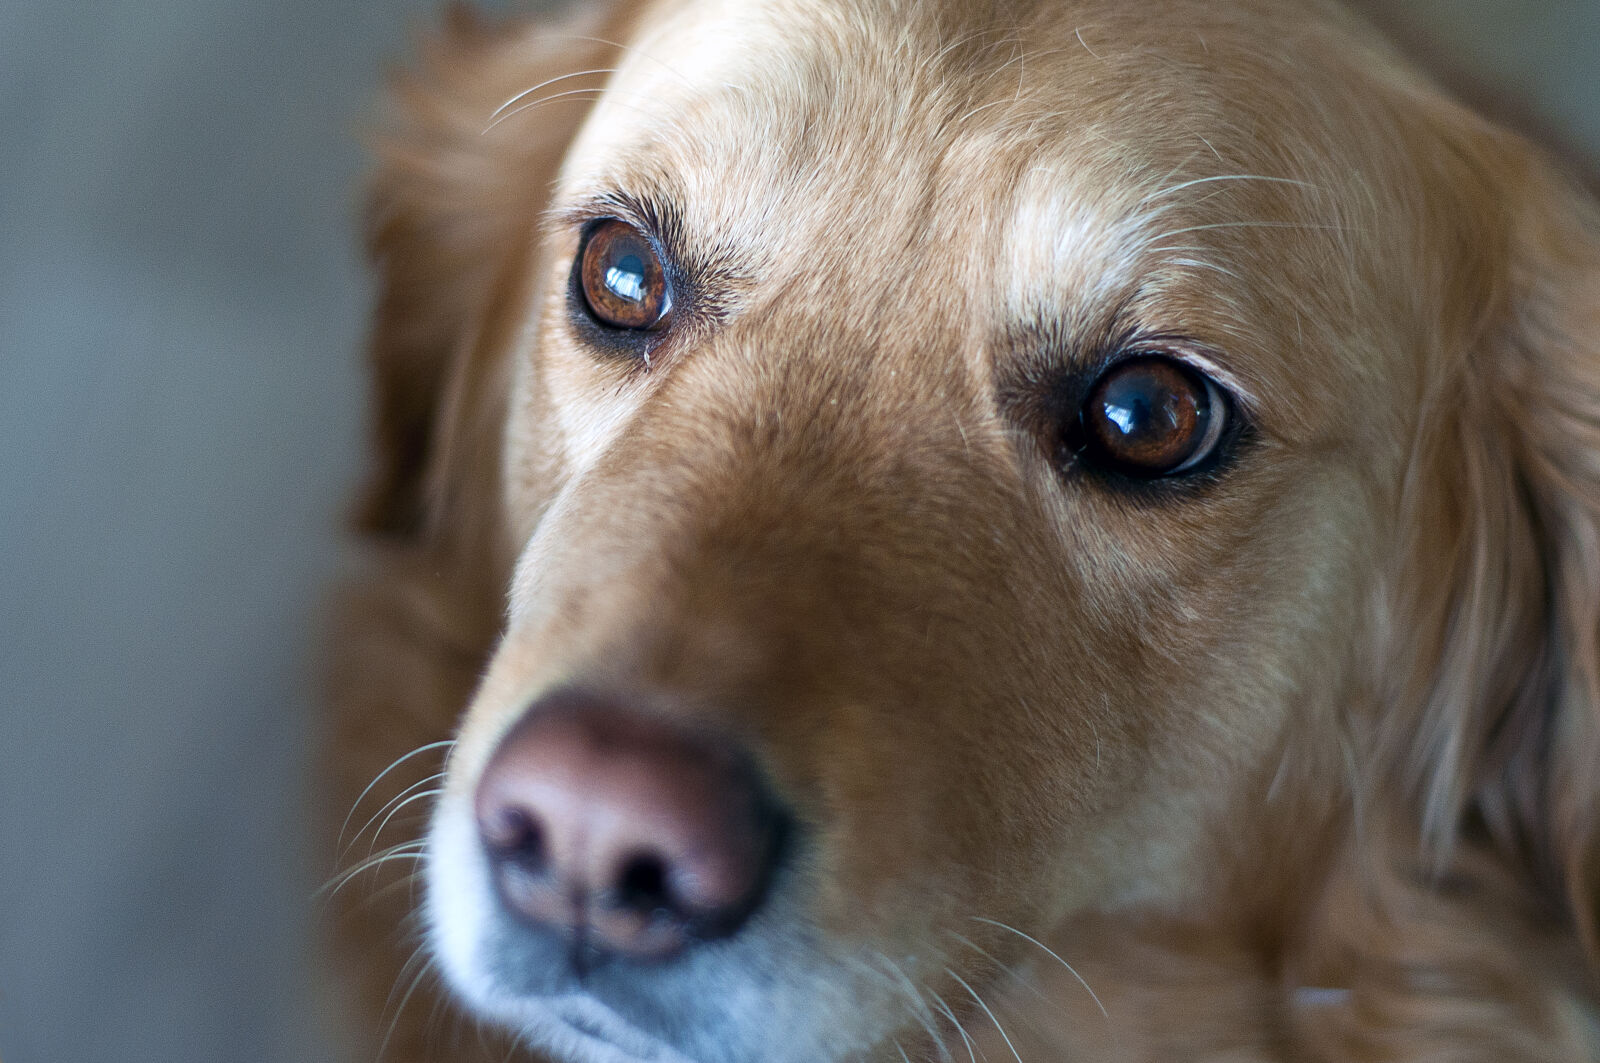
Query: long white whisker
pixel 919 1007
pixel 408 882
pixel 1251 225
pixel 1170 190
pixel 1053 955
pixel 423 796
pixel 366 866
pixel 593 93
pixel 973 993
pixel 399 1010
pixel 1195 263
pixel 405 850
pixel 434 1030
pixel 951 1015
pixel 435 777
pixel 1009 970
pixel 510 1052
pixel 1079 34
pixel 379 778
pixel 525 93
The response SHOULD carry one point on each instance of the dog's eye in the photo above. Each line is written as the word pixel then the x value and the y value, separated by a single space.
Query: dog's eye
pixel 1150 416
pixel 623 282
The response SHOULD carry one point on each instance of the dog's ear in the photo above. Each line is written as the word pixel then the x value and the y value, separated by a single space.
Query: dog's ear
pixel 1501 632
pixel 1541 789
pixel 453 215
pixel 453 224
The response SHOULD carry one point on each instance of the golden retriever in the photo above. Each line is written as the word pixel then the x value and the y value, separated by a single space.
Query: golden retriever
pixel 929 529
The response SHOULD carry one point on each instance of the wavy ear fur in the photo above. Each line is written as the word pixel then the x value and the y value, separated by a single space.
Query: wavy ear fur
pixel 452 217
pixel 1540 788
pixel 452 228
pixel 1503 578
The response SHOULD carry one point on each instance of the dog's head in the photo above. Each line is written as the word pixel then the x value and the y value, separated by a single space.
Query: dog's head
pixel 955 466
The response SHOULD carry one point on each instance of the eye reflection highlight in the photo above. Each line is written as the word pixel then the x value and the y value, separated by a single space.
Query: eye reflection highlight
pixel 626 278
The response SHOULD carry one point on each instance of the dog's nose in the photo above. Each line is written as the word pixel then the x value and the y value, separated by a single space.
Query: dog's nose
pixel 627 835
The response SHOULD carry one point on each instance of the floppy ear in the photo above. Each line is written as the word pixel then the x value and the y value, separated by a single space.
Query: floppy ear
pixel 1504 505
pixel 452 218
pixel 453 230
pixel 1541 790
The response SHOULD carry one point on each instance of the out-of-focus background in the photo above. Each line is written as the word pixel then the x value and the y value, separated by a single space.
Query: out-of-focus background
pixel 181 402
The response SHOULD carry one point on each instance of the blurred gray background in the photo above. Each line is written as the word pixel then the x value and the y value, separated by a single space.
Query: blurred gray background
pixel 181 308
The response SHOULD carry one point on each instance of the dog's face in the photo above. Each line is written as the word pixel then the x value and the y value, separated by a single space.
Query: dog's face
pixel 956 454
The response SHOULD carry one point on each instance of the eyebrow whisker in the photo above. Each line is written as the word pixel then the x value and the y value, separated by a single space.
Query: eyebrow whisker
pixel 1172 189
pixel 525 93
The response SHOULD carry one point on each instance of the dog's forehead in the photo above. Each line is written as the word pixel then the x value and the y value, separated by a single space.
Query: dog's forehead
pixel 1064 163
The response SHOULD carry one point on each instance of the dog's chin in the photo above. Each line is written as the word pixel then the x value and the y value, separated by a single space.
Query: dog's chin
pixel 579 1029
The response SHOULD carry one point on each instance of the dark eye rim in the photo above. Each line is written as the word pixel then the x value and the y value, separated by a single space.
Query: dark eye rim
pixel 1076 451
pixel 618 340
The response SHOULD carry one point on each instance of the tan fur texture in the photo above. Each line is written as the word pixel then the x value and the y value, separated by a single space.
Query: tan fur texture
pixel 1299 764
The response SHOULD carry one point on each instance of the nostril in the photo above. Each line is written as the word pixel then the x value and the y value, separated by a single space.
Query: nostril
pixel 642 884
pixel 514 835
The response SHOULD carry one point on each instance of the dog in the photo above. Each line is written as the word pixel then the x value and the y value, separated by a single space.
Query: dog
pixel 923 530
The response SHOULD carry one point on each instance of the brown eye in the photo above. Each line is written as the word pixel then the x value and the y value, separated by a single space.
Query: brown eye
pixel 621 277
pixel 1151 416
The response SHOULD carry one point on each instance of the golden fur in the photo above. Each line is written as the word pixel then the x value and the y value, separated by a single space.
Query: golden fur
pixel 1299 766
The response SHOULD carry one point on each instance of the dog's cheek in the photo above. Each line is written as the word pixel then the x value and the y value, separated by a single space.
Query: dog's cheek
pixel 535 458
pixel 974 797
pixel 555 424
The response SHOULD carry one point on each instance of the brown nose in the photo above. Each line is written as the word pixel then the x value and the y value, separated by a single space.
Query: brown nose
pixel 625 834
